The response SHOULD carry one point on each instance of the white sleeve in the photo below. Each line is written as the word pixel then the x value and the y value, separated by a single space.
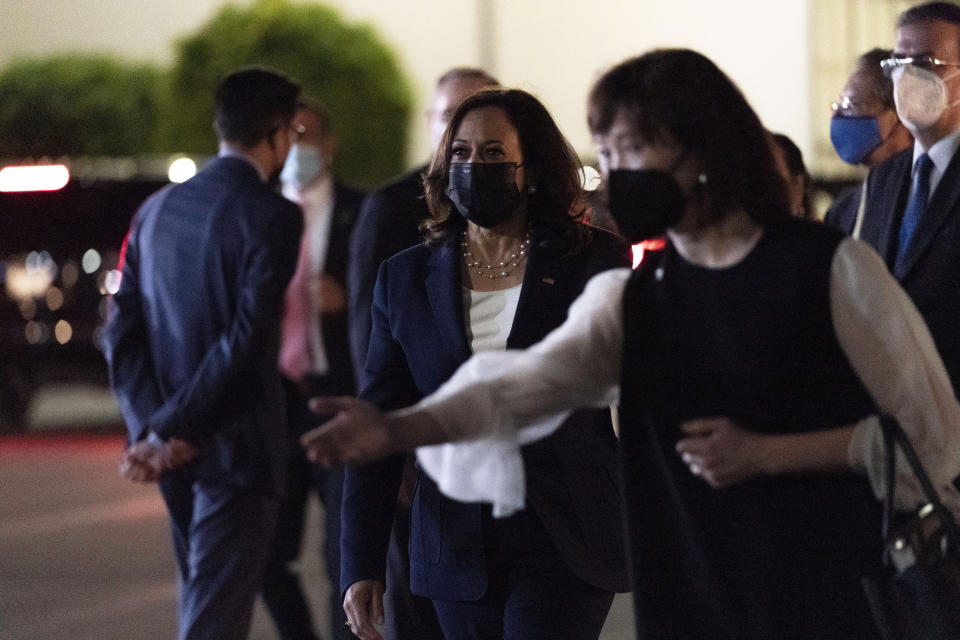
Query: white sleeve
pixel 500 401
pixel 889 346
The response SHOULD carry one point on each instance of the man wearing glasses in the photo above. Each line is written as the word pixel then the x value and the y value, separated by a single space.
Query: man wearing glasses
pixel 912 214
pixel 865 130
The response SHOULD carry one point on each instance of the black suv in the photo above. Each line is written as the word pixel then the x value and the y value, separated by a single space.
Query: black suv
pixel 58 259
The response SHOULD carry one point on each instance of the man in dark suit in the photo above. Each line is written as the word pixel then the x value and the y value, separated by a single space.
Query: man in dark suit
pixel 191 345
pixel 388 223
pixel 864 129
pixel 912 215
pixel 315 360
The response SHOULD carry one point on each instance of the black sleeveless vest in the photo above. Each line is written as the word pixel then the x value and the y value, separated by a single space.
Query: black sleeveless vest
pixel 773 557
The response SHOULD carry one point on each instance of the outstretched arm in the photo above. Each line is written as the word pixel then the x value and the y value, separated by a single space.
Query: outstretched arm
pixel 496 393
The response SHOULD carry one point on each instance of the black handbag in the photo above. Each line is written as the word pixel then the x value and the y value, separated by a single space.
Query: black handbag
pixel 918 597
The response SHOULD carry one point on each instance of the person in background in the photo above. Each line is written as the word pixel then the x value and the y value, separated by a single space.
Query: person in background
pixel 314 360
pixel 790 158
pixel 864 129
pixel 912 212
pixel 749 358
pixel 505 255
pixel 389 222
pixel 191 344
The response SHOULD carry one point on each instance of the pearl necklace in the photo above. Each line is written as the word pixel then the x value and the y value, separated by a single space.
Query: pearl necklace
pixel 495 271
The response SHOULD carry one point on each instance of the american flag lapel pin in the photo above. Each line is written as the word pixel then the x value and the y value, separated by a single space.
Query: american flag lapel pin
pixel 548 280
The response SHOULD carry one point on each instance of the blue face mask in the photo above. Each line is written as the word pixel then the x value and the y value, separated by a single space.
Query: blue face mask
pixel 854 137
pixel 304 164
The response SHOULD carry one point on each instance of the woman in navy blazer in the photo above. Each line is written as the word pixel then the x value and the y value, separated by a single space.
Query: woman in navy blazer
pixel 506 254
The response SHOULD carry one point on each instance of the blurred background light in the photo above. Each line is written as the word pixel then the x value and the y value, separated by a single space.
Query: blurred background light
pixel 181 169
pixel 90 261
pixel 31 278
pixel 50 177
pixel 69 274
pixel 28 308
pixel 36 332
pixel 63 332
pixel 112 281
pixel 54 299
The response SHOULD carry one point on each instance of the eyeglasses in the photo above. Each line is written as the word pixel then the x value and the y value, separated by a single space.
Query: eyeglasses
pixel 845 107
pixel 296 129
pixel 924 62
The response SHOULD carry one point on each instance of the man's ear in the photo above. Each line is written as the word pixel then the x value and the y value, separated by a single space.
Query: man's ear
pixel 330 147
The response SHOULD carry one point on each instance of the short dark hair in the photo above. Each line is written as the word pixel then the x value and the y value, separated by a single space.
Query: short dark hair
pixel 251 103
pixel 880 85
pixel 468 73
pixel 946 11
pixel 551 165
pixel 681 95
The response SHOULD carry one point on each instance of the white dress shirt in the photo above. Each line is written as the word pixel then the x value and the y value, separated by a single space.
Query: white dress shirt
pixel 317 202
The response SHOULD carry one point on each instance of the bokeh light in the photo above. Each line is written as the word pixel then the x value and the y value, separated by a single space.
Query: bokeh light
pixel 91 261
pixel 182 169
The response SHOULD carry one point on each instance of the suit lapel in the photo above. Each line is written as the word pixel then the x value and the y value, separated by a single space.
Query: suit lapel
pixel 541 284
pixel 444 293
pixel 339 241
pixel 885 202
pixel 941 206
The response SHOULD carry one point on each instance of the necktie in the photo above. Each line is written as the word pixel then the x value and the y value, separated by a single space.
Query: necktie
pixel 915 207
pixel 295 358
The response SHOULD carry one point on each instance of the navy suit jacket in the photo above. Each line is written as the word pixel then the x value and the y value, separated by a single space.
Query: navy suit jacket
pixel 389 222
pixel 842 214
pixel 930 272
pixel 418 341
pixel 193 332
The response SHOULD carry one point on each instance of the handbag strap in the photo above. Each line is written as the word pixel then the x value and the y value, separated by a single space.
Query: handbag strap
pixel 894 435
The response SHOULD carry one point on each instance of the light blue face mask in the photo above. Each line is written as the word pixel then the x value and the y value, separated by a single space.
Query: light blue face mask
pixel 855 137
pixel 303 165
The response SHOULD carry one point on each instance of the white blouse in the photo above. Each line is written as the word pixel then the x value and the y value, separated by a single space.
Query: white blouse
pixel 489 317
pixel 498 401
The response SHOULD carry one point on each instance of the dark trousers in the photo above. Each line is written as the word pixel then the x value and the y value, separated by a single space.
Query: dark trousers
pixel 221 537
pixel 531 593
pixel 406 615
pixel 282 591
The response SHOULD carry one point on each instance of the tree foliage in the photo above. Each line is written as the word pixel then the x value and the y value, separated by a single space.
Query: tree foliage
pixel 346 67
pixel 77 105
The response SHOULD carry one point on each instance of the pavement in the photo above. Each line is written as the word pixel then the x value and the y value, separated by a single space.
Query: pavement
pixel 86 555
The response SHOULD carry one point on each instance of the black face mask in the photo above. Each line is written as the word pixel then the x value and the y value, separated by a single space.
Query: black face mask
pixel 644 202
pixel 485 193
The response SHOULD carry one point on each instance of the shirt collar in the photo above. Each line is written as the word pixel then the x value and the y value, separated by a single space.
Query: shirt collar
pixel 232 152
pixel 941 152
